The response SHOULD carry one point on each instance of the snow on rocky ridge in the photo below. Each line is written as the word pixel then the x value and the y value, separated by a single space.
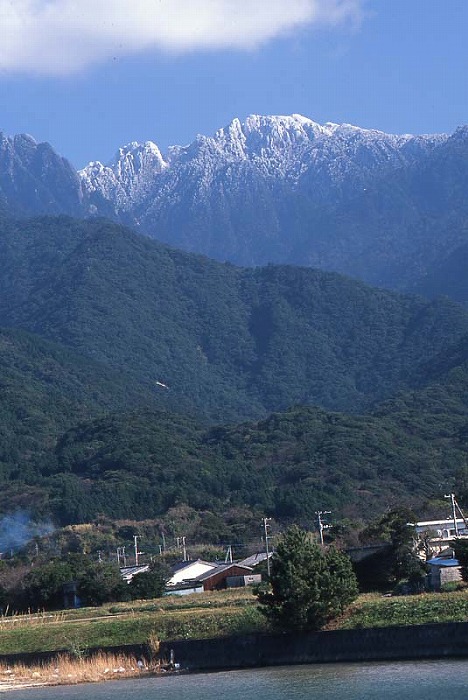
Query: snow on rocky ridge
pixel 276 147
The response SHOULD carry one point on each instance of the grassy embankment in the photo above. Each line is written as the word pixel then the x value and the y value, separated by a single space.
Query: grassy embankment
pixel 374 610
pixel 203 615
pixel 196 616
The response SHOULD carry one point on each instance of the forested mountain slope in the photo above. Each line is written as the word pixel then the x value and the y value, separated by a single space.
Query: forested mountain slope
pixel 228 343
pixel 141 464
pixel 118 353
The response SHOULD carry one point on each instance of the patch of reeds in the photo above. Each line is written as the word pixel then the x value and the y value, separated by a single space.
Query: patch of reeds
pixel 66 670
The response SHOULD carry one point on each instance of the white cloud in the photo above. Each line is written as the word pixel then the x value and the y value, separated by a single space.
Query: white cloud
pixel 58 37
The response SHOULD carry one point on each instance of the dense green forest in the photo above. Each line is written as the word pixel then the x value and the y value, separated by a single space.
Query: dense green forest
pixel 230 343
pixel 136 379
pixel 143 463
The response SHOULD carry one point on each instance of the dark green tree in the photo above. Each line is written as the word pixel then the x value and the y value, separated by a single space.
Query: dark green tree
pixel 97 583
pixel 308 585
pixel 399 561
pixel 150 584
pixel 461 478
pixel 43 586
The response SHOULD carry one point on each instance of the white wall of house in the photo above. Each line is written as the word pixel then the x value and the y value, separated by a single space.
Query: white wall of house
pixel 441 529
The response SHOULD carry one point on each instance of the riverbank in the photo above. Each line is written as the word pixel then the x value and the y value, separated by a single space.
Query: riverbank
pixel 225 630
pixel 397 643
pixel 204 615
pixel 63 669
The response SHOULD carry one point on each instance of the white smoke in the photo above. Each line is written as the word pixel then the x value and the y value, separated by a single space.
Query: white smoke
pixel 17 529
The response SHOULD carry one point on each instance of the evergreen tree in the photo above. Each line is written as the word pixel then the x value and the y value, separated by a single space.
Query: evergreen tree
pixel 309 585
pixel 399 562
pixel 150 584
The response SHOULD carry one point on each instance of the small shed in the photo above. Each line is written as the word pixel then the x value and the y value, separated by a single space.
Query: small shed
pixel 241 581
pixel 184 588
pixel 443 570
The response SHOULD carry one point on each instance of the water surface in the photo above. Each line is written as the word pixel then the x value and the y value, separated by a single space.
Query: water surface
pixel 424 680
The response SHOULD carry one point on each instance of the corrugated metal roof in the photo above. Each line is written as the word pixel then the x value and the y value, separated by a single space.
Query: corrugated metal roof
pixel 439 561
pixel 183 564
pixel 255 559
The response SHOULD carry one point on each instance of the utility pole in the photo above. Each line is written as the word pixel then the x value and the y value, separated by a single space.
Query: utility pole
pixel 454 512
pixel 321 525
pixel 184 549
pixel 455 507
pixel 266 526
pixel 121 555
pixel 135 545
pixel 228 557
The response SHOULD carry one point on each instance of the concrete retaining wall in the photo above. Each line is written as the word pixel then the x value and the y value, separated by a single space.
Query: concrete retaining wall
pixel 379 644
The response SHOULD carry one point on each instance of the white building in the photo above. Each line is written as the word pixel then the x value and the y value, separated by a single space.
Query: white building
pixel 442 529
pixel 438 534
pixel 189 570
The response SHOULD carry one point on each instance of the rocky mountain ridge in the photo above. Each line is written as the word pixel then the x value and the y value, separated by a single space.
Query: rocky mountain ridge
pixel 276 147
pixel 388 209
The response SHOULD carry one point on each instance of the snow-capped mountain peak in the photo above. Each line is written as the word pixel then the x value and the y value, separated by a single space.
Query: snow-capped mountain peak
pixel 126 179
pixel 281 148
pixel 280 188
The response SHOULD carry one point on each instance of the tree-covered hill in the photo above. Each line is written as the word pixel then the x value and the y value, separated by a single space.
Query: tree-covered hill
pixel 229 343
pixel 111 341
pixel 45 389
pixel 143 463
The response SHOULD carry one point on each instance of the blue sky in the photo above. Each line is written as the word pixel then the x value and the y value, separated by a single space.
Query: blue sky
pixel 165 70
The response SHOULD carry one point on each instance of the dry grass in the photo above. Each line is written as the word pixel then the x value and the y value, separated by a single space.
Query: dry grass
pixel 66 670
pixel 15 619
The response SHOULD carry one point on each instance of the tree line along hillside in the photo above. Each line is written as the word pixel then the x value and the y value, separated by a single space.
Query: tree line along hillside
pixel 127 369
